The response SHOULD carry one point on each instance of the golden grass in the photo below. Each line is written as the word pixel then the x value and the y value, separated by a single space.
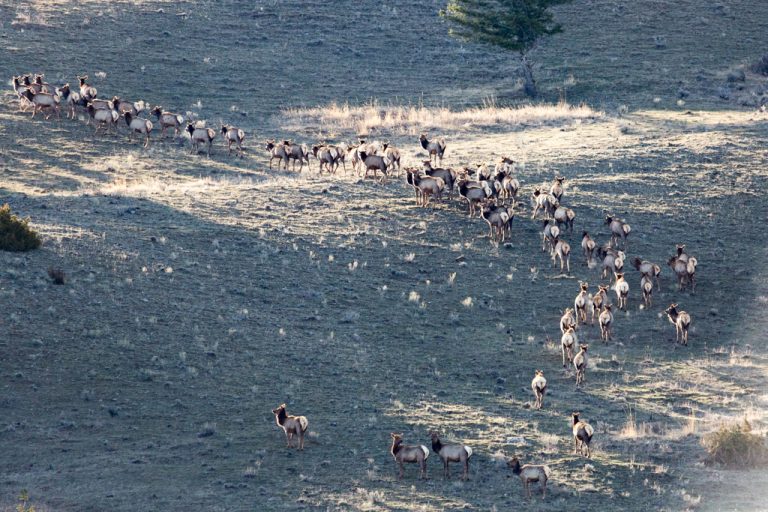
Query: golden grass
pixel 376 118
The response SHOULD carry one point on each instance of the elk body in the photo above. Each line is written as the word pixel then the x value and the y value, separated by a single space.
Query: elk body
pixel 588 245
pixel 435 148
pixel 599 300
pixel 374 163
pixel 498 219
pixel 138 125
pixel 43 100
pixel 451 453
pixel 233 135
pixel 568 342
pixel 646 285
pixel 296 152
pixel 562 250
pixel 582 436
pixel 277 151
pixel 580 364
pixel 622 290
pixel 167 120
pixel 646 268
pixel 619 230
pixel 291 425
pixel 681 321
pixel 539 387
pixel 200 135
pixel 568 320
pixel 606 322
pixel 581 303
pixel 530 473
pixel 427 187
pixel 403 454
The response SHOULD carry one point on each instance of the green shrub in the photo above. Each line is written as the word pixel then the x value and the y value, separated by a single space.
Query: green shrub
pixel 736 446
pixel 15 233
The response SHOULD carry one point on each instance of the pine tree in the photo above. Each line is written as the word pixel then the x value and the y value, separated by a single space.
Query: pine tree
pixel 514 25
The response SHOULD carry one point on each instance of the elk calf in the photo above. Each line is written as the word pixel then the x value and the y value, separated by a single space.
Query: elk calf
pixel 291 425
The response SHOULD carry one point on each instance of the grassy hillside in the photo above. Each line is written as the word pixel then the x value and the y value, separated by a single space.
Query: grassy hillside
pixel 201 293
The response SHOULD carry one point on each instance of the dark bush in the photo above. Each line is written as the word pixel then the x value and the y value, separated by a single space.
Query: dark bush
pixel 57 275
pixel 736 446
pixel 15 233
pixel 761 66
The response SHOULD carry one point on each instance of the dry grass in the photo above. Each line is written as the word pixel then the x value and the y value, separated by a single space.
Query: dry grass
pixel 375 118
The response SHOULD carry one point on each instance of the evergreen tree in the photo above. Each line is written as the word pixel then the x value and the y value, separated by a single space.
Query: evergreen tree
pixel 510 24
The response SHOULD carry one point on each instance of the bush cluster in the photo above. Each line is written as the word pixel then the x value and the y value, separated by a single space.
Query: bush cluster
pixel 15 233
pixel 736 446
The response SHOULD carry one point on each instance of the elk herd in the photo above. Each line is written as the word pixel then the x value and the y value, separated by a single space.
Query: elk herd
pixel 491 192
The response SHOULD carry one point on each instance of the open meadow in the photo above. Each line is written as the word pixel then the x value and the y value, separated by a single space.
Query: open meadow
pixel 203 292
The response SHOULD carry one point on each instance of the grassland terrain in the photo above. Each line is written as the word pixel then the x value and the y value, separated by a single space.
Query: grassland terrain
pixel 202 292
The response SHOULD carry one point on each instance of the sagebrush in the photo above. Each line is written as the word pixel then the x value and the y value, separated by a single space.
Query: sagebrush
pixel 15 233
pixel 736 446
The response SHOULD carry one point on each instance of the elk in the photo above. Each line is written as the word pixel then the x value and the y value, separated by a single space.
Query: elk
pixel 544 202
pixel 567 320
pixel 435 148
pixel 327 156
pixel 474 193
pixel 200 134
pixel 588 245
pixel 447 175
pixel 622 290
pixel 646 268
pixel 497 218
pixel 43 100
pixel 277 151
pixel 71 99
pixel 619 229
pixel 682 322
pixel 580 364
pixel 530 473
pixel 403 453
pixel 646 285
pixel 103 118
pixel 168 120
pixel 606 322
pixel 562 250
pixel 296 152
pixel 138 125
pixel 124 107
pixel 427 186
pixel 291 425
pixel 567 343
pixel 557 188
pixel 684 267
pixel 613 261
pixel 599 300
pixel 393 156
pixel 375 163
pixel 233 135
pixel 451 453
pixel 582 435
pixel 539 387
pixel 565 217
pixel 86 91
pixel 549 234
pixel 581 302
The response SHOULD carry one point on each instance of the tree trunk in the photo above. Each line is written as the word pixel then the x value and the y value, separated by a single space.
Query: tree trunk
pixel 529 85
